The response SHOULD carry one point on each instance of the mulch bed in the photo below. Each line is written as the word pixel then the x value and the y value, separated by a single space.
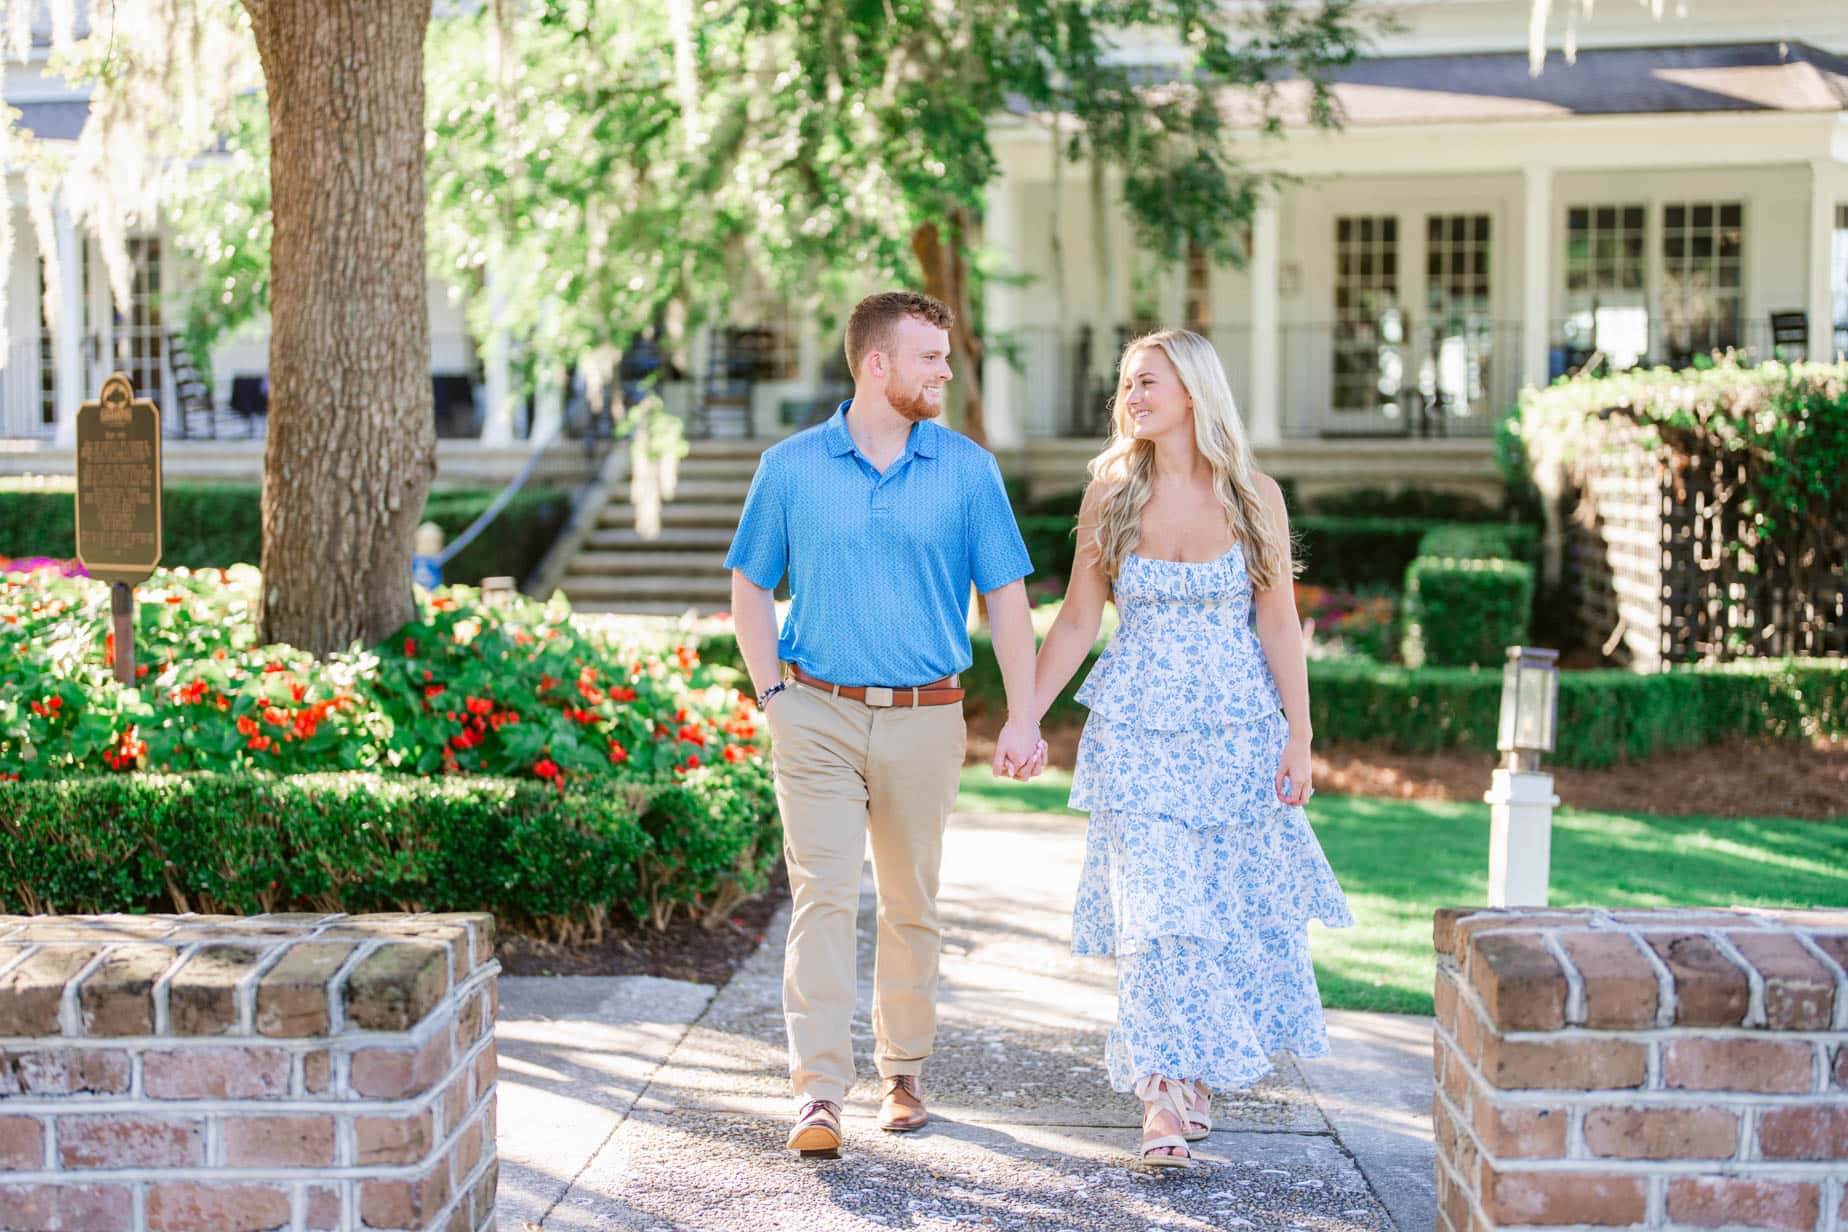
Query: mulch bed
pixel 685 950
pixel 1739 779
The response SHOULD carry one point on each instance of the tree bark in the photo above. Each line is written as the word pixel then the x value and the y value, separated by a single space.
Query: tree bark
pixel 946 278
pixel 352 443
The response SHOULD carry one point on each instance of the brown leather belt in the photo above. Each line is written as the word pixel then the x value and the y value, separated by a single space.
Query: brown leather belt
pixel 936 693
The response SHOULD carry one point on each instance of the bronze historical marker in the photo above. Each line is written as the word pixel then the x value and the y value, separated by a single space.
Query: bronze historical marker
pixel 118 500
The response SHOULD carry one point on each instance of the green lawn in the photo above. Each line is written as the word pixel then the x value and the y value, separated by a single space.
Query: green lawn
pixel 1400 860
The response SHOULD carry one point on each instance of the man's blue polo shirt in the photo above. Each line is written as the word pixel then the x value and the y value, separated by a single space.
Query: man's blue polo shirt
pixel 879 563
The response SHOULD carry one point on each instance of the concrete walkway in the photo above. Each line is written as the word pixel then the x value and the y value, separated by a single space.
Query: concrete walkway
pixel 657 1105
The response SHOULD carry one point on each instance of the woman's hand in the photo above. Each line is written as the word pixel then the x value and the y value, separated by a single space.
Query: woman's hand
pixel 1293 771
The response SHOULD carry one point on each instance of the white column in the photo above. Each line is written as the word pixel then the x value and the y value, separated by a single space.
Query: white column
pixel 1001 413
pixel 67 342
pixel 497 421
pixel 1521 804
pixel 1819 302
pixel 1264 416
pixel 1537 278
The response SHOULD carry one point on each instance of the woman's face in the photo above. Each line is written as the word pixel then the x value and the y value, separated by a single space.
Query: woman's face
pixel 1153 396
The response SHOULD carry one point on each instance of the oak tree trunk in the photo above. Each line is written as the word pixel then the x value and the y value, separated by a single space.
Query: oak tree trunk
pixel 352 444
pixel 946 277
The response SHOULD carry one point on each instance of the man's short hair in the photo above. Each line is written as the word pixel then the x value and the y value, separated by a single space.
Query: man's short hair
pixel 874 318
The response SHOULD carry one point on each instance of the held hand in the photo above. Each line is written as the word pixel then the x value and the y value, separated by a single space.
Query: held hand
pixel 1293 772
pixel 1016 748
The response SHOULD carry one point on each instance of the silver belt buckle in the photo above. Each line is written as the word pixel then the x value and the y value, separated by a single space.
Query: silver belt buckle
pixel 878 695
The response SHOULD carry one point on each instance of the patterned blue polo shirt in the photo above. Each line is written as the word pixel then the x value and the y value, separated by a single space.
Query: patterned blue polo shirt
pixel 879 563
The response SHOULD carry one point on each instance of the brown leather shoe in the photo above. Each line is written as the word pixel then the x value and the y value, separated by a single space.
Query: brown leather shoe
pixel 902 1109
pixel 817 1132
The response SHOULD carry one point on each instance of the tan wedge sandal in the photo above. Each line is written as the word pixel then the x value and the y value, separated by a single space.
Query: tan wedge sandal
pixel 1199 1111
pixel 1163 1095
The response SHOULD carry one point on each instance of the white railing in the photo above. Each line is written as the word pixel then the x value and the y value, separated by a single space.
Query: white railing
pixel 26 408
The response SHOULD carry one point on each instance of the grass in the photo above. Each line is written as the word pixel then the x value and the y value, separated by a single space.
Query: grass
pixel 1400 860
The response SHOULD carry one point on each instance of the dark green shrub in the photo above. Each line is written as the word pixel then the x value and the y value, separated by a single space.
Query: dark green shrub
pixel 1429 503
pixel 1356 552
pixel 1052 545
pixel 1483 541
pixel 222 524
pixel 538 858
pixel 1460 613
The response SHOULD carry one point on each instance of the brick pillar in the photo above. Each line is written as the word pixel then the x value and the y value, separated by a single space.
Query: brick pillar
pixel 306 1072
pixel 1641 1069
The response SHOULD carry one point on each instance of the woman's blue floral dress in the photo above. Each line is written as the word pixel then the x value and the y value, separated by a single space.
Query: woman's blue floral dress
pixel 1196 876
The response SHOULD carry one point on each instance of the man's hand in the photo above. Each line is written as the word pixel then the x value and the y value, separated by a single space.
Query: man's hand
pixel 1019 751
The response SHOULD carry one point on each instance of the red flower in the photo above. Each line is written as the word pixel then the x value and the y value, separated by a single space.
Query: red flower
pixel 141 669
pixel 246 726
pixel 410 648
pixel 297 692
pixel 618 754
pixel 546 768
pixel 176 598
pixel 272 669
pixel 734 752
pixel 623 694
pixel 545 682
pixel 480 705
pixel 433 690
pixel 693 735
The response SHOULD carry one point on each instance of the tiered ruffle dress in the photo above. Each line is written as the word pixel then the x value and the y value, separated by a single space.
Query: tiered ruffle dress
pixel 1196 876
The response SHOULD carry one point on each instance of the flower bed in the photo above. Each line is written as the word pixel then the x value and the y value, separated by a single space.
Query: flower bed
pixel 516 692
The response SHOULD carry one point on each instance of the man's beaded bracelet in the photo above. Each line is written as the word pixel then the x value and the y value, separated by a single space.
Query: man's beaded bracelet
pixel 763 699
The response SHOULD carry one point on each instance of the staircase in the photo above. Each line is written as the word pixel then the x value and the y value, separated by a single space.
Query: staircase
pixel 682 570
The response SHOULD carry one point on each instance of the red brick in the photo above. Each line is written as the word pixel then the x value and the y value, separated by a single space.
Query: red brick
pixel 1799 991
pixel 1807 1132
pixel 487 1066
pixel 468 1148
pixel 1520 982
pixel 397 986
pixel 397 1073
pixel 393 1139
pixel 1716 1202
pixel 216 1073
pixel 1444 927
pixel 1662 1133
pixel 302 1141
pixel 323 1209
pixel 481 930
pixel 1620 984
pixel 1841 1066
pixel 1710 991
pixel 455 1101
pixel 485 1184
pixel 317 1072
pixel 292 995
pixel 1550 1198
pixel 1516 1131
pixel 1444 996
pixel 1775 1066
pixel 118 997
pixel 1469 1029
pixel 404 1204
pixel 66 1208
pixel 1512 919
pixel 1566 1064
pixel 126 1140
pixel 85 1071
pixel 187 1206
pixel 30 993
pixel 471 1018
pixel 202 995
pixel 22 1144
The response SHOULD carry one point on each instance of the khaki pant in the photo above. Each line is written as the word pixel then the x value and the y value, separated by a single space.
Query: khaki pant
pixel 846 771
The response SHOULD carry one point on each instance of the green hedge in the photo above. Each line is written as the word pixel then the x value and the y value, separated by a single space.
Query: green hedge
pixel 551 862
pixel 222 524
pixel 1483 541
pixel 1358 552
pixel 1430 504
pixel 1462 613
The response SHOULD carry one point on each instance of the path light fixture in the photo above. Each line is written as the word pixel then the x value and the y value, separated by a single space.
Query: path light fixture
pixel 1520 795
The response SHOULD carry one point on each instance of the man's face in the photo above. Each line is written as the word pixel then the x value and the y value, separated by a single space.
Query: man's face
pixel 917 368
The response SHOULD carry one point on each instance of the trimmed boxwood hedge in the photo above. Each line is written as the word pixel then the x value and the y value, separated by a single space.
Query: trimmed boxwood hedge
pixel 556 863
pixel 1483 540
pixel 210 525
pixel 1464 613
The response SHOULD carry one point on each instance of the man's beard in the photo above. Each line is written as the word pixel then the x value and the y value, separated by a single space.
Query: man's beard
pixel 913 406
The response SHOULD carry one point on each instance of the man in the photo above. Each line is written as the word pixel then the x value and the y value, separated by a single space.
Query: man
pixel 882 519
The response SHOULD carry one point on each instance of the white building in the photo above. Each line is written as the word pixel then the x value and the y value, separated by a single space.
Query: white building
pixel 1469 230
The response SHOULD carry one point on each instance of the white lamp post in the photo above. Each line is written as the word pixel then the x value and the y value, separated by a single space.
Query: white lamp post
pixel 1520 795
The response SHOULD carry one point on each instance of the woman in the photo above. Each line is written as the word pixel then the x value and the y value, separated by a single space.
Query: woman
pixel 1201 872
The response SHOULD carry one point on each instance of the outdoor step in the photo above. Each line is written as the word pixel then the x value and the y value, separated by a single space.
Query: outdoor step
pixel 751 449
pixel 695 467
pixel 642 561
pixel 696 489
pixel 671 538
pixel 621 515
pixel 646 607
pixel 689 590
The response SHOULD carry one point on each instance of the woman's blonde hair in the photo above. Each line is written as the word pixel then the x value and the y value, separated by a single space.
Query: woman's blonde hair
pixel 1124 472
